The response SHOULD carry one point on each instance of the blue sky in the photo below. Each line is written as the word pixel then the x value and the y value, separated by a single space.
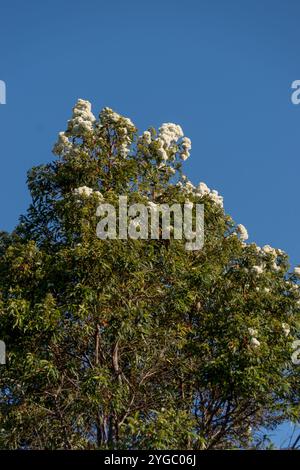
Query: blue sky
pixel 221 69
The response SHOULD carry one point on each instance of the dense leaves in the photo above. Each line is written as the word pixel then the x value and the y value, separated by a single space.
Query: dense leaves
pixel 138 343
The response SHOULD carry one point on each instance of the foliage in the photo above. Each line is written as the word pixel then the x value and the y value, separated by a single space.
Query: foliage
pixel 138 343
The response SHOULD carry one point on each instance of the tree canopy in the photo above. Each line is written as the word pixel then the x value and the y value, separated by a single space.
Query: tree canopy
pixel 129 344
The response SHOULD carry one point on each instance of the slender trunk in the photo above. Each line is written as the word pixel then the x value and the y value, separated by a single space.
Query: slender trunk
pixel 97 345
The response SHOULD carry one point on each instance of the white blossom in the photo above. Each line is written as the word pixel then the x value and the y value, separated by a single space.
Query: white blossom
pixel 216 198
pixel 189 187
pixel 268 250
pixel 242 231
pixel 146 137
pixel 184 155
pixel 111 118
pixel 108 115
pixel 163 154
pixel 161 150
pixel 83 191
pixel 128 122
pixel 186 143
pixel 189 204
pixel 202 189
pixel 168 137
pixel 170 133
pixel 286 329
pixel 252 332
pixel 254 342
pixel 162 166
pixel 62 145
pixel 293 286
pixel 82 120
pixel 275 266
pixel 297 271
pixel 257 269
pixel 124 149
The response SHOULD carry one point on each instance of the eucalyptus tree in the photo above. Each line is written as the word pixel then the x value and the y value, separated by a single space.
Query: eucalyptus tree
pixel 139 343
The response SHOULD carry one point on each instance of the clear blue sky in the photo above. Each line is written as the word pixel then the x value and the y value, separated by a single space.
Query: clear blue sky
pixel 221 69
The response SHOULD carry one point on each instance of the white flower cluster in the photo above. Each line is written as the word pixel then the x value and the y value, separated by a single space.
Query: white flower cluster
pixel 146 138
pixel 189 187
pixel 170 133
pixel 257 269
pixel 254 333
pixel 297 271
pixel 254 341
pixel 123 127
pixel 267 251
pixel 242 231
pixel 161 150
pixel 267 254
pixel 63 144
pixel 168 137
pixel 87 192
pixel 124 147
pixel 286 328
pixel 293 287
pixel 108 117
pixel 201 190
pixel 82 120
pixel 188 204
pixel 186 145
